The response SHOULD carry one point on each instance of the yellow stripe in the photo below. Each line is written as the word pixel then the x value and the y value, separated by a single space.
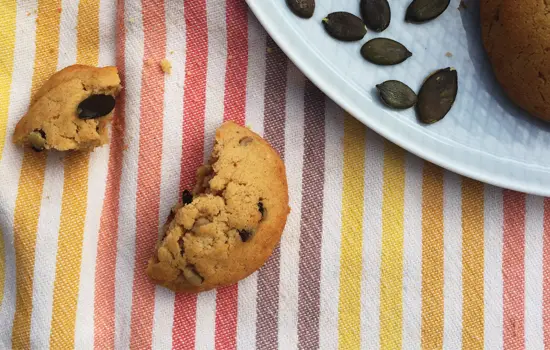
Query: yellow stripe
pixel 7 44
pixel 391 279
pixel 349 323
pixel 73 207
pixel 31 181
pixel 472 264
pixel 432 257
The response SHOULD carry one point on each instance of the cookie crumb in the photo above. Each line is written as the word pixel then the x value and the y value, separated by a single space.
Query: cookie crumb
pixel 462 5
pixel 148 62
pixel 28 14
pixel 269 50
pixel 448 54
pixel 125 147
pixel 171 52
pixel 131 20
pixel 166 66
pixel 59 9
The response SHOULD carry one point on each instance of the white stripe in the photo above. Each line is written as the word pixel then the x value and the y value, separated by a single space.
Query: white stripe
pixel 255 80
pixel 412 253
pixel 97 181
pixel 45 252
pixel 124 272
pixel 10 165
pixel 290 242
pixel 248 288
pixel 205 321
pixel 332 226
pixel 534 228
pixel 452 261
pixel 215 74
pixel 171 156
pixel 372 242
pixel 67 33
pixel 493 290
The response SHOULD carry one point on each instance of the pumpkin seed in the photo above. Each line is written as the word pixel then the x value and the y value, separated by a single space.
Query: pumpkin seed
pixel 396 94
pixel 384 52
pixel 345 26
pixel 302 8
pixel 437 95
pixel 96 106
pixel 37 139
pixel 192 276
pixel 376 14
pixel 420 11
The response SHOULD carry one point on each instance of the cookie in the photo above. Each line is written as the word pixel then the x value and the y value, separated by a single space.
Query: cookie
pixel 517 41
pixel 227 227
pixel 71 110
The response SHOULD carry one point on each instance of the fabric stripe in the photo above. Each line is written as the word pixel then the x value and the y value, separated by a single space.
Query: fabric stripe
pixel 432 257
pixel 104 296
pixel 234 109
pixel 349 301
pixel 513 269
pixel 472 264
pixel 149 171
pixel 27 207
pixel 391 281
pixel 534 214
pixel 74 200
pixel 196 38
pixel 7 45
pixel 312 211
pixel 274 128
pixel 546 274
pixel 332 222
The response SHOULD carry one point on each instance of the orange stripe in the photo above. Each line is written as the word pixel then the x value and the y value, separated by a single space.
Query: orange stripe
pixel 432 257
pixel 29 192
pixel 472 264
pixel 74 200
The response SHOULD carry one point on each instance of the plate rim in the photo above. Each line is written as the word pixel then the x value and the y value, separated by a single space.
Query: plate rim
pixel 474 170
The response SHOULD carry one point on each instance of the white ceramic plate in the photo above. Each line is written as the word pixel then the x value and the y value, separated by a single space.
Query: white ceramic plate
pixel 484 137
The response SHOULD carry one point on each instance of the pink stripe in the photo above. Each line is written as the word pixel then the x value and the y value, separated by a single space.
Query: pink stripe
pixel 149 172
pixel 234 109
pixel 311 225
pixel 274 133
pixel 104 299
pixel 183 331
pixel 513 268
pixel 546 274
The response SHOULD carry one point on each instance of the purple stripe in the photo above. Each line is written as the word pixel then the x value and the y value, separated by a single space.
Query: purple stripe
pixel 274 133
pixel 311 224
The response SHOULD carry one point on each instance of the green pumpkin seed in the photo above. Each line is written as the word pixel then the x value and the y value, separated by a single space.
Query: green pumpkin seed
pixel 192 276
pixel 376 14
pixel 437 95
pixel 345 26
pixel 384 52
pixel 396 94
pixel 37 139
pixel 420 11
pixel 302 8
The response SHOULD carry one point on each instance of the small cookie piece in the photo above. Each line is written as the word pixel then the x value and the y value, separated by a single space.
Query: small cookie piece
pixel 71 110
pixel 228 227
pixel 516 36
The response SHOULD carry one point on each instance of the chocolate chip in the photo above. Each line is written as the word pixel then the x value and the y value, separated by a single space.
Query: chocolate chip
pixel 96 106
pixel 181 244
pixel 245 235
pixel 261 209
pixel 186 197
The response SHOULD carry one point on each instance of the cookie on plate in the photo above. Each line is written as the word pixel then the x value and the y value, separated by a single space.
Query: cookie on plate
pixel 227 227
pixel 516 36
pixel 71 110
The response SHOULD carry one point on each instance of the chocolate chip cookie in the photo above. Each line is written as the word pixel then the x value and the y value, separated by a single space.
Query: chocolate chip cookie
pixel 71 110
pixel 516 36
pixel 228 225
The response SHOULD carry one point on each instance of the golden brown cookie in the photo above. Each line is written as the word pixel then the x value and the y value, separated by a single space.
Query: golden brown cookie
pixel 71 110
pixel 516 36
pixel 229 225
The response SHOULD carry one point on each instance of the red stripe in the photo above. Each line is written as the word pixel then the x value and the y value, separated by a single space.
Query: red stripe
pixel 234 109
pixel 104 299
pixel 546 274
pixel 513 268
pixel 149 172
pixel 183 331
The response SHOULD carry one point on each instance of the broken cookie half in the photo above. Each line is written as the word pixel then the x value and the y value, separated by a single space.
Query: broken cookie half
pixel 71 110
pixel 227 227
